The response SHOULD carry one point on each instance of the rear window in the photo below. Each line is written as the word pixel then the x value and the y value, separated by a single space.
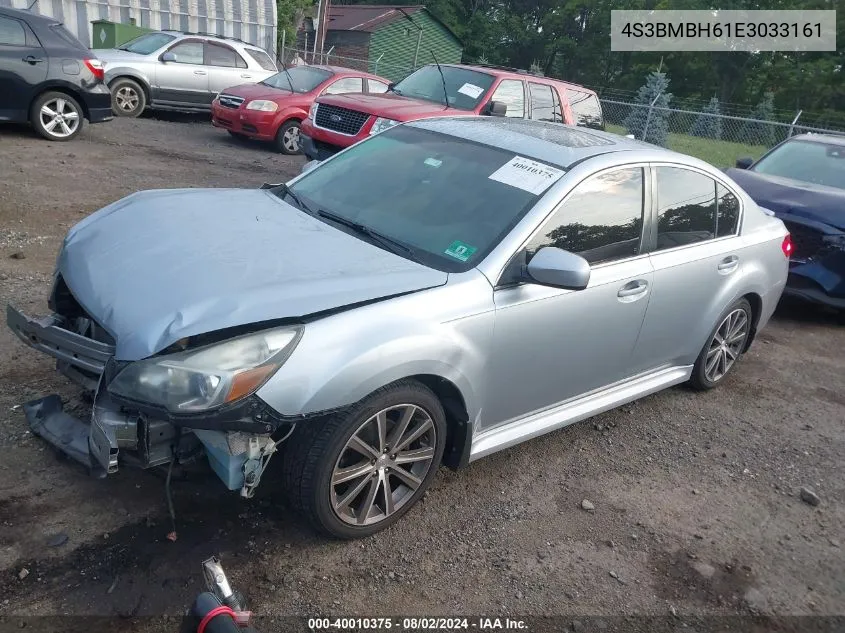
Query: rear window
pixel 67 37
pixel 262 58
pixel 585 108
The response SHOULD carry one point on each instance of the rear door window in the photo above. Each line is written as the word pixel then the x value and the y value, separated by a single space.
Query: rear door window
pixel 346 85
pixel 376 87
pixel 543 106
pixel 686 207
pixel 11 32
pixel 511 92
pixel 223 56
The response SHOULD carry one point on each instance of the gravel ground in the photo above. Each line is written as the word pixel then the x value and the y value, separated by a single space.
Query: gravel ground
pixel 696 503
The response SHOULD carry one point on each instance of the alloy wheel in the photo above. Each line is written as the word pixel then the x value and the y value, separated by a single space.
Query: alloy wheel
pixel 726 345
pixel 290 139
pixel 59 117
pixel 126 98
pixel 382 464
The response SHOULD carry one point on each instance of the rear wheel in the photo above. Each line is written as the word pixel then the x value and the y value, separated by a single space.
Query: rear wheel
pixel 287 138
pixel 724 347
pixel 127 98
pixel 56 116
pixel 358 472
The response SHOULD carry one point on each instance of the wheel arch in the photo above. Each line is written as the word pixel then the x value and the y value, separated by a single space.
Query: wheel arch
pixel 459 436
pixel 756 302
pixel 67 89
pixel 141 81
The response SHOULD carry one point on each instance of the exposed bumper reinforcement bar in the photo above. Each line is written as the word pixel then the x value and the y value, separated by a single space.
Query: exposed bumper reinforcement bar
pixel 46 336
pixel 70 435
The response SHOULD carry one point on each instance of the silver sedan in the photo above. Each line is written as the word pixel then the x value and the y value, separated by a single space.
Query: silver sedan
pixel 441 291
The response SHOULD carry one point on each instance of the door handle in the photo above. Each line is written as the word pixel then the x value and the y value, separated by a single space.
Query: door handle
pixel 200 72
pixel 633 290
pixel 728 265
pixel 246 76
pixel 32 59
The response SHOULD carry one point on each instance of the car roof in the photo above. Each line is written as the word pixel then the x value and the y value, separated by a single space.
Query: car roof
pixel 209 36
pixel 29 16
pixel 820 138
pixel 499 71
pixel 342 70
pixel 555 143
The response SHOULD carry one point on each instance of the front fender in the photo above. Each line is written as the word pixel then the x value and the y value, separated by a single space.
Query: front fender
pixel 443 332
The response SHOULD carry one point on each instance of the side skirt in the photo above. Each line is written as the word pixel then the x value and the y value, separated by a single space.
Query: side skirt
pixel 542 422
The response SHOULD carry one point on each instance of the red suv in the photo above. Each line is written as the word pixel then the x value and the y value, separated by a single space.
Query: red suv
pixel 273 109
pixel 337 121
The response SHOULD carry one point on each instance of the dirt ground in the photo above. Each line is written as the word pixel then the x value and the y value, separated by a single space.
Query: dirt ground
pixel 697 504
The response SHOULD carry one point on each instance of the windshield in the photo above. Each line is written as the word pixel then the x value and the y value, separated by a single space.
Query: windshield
pixel 303 79
pixel 451 200
pixel 807 161
pixel 466 88
pixel 148 43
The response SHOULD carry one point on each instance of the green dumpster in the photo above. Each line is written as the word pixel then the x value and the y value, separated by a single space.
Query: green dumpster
pixel 108 34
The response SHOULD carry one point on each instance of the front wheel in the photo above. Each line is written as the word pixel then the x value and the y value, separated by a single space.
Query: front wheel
pixel 724 347
pixel 356 473
pixel 287 138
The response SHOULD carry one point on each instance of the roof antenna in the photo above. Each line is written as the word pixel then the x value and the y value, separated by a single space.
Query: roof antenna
pixel 443 79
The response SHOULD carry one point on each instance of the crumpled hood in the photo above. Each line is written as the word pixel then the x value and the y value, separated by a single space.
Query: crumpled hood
pixel 786 196
pixel 158 266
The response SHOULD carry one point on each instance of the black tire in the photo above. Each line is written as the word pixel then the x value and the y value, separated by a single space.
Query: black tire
pixel 42 121
pixel 282 145
pixel 315 448
pixel 128 98
pixel 699 379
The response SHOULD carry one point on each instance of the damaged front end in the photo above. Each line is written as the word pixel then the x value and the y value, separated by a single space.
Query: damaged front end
pixel 168 409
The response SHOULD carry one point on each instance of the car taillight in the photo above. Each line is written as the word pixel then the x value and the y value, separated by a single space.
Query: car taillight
pixel 96 67
pixel 787 246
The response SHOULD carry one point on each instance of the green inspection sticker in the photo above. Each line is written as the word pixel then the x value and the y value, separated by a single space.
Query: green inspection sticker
pixel 459 250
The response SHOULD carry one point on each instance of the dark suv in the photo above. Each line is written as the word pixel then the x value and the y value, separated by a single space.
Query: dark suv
pixel 47 77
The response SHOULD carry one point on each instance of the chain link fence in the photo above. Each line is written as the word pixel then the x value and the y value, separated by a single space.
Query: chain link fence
pixel 289 56
pixel 718 139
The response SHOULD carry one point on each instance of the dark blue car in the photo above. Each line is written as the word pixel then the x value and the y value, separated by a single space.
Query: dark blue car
pixel 803 181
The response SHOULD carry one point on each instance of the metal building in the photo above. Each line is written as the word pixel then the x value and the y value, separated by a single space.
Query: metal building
pixel 253 21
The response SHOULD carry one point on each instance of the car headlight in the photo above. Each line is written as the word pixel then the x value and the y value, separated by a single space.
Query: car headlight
pixel 383 124
pixel 263 105
pixel 207 377
pixel 312 111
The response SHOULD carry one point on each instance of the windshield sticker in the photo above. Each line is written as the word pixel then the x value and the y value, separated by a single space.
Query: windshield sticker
pixel 527 174
pixel 433 162
pixel 471 90
pixel 460 250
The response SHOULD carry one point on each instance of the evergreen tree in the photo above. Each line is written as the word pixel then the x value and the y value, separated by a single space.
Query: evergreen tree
pixel 759 132
pixel 657 133
pixel 708 124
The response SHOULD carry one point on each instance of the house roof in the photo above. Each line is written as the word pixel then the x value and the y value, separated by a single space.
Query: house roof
pixel 368 18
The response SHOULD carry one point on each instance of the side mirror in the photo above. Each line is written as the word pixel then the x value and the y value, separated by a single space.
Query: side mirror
pixel 391 86
pixel 311 164
pixel 744 163
pixel 497 108
pixel 168 57
pixel 558 268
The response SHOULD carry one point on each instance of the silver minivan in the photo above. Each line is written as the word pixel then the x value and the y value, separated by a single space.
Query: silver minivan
pixel 184 71
pixel 446 289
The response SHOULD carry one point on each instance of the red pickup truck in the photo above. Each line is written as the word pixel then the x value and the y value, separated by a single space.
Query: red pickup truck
pixel 337 121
